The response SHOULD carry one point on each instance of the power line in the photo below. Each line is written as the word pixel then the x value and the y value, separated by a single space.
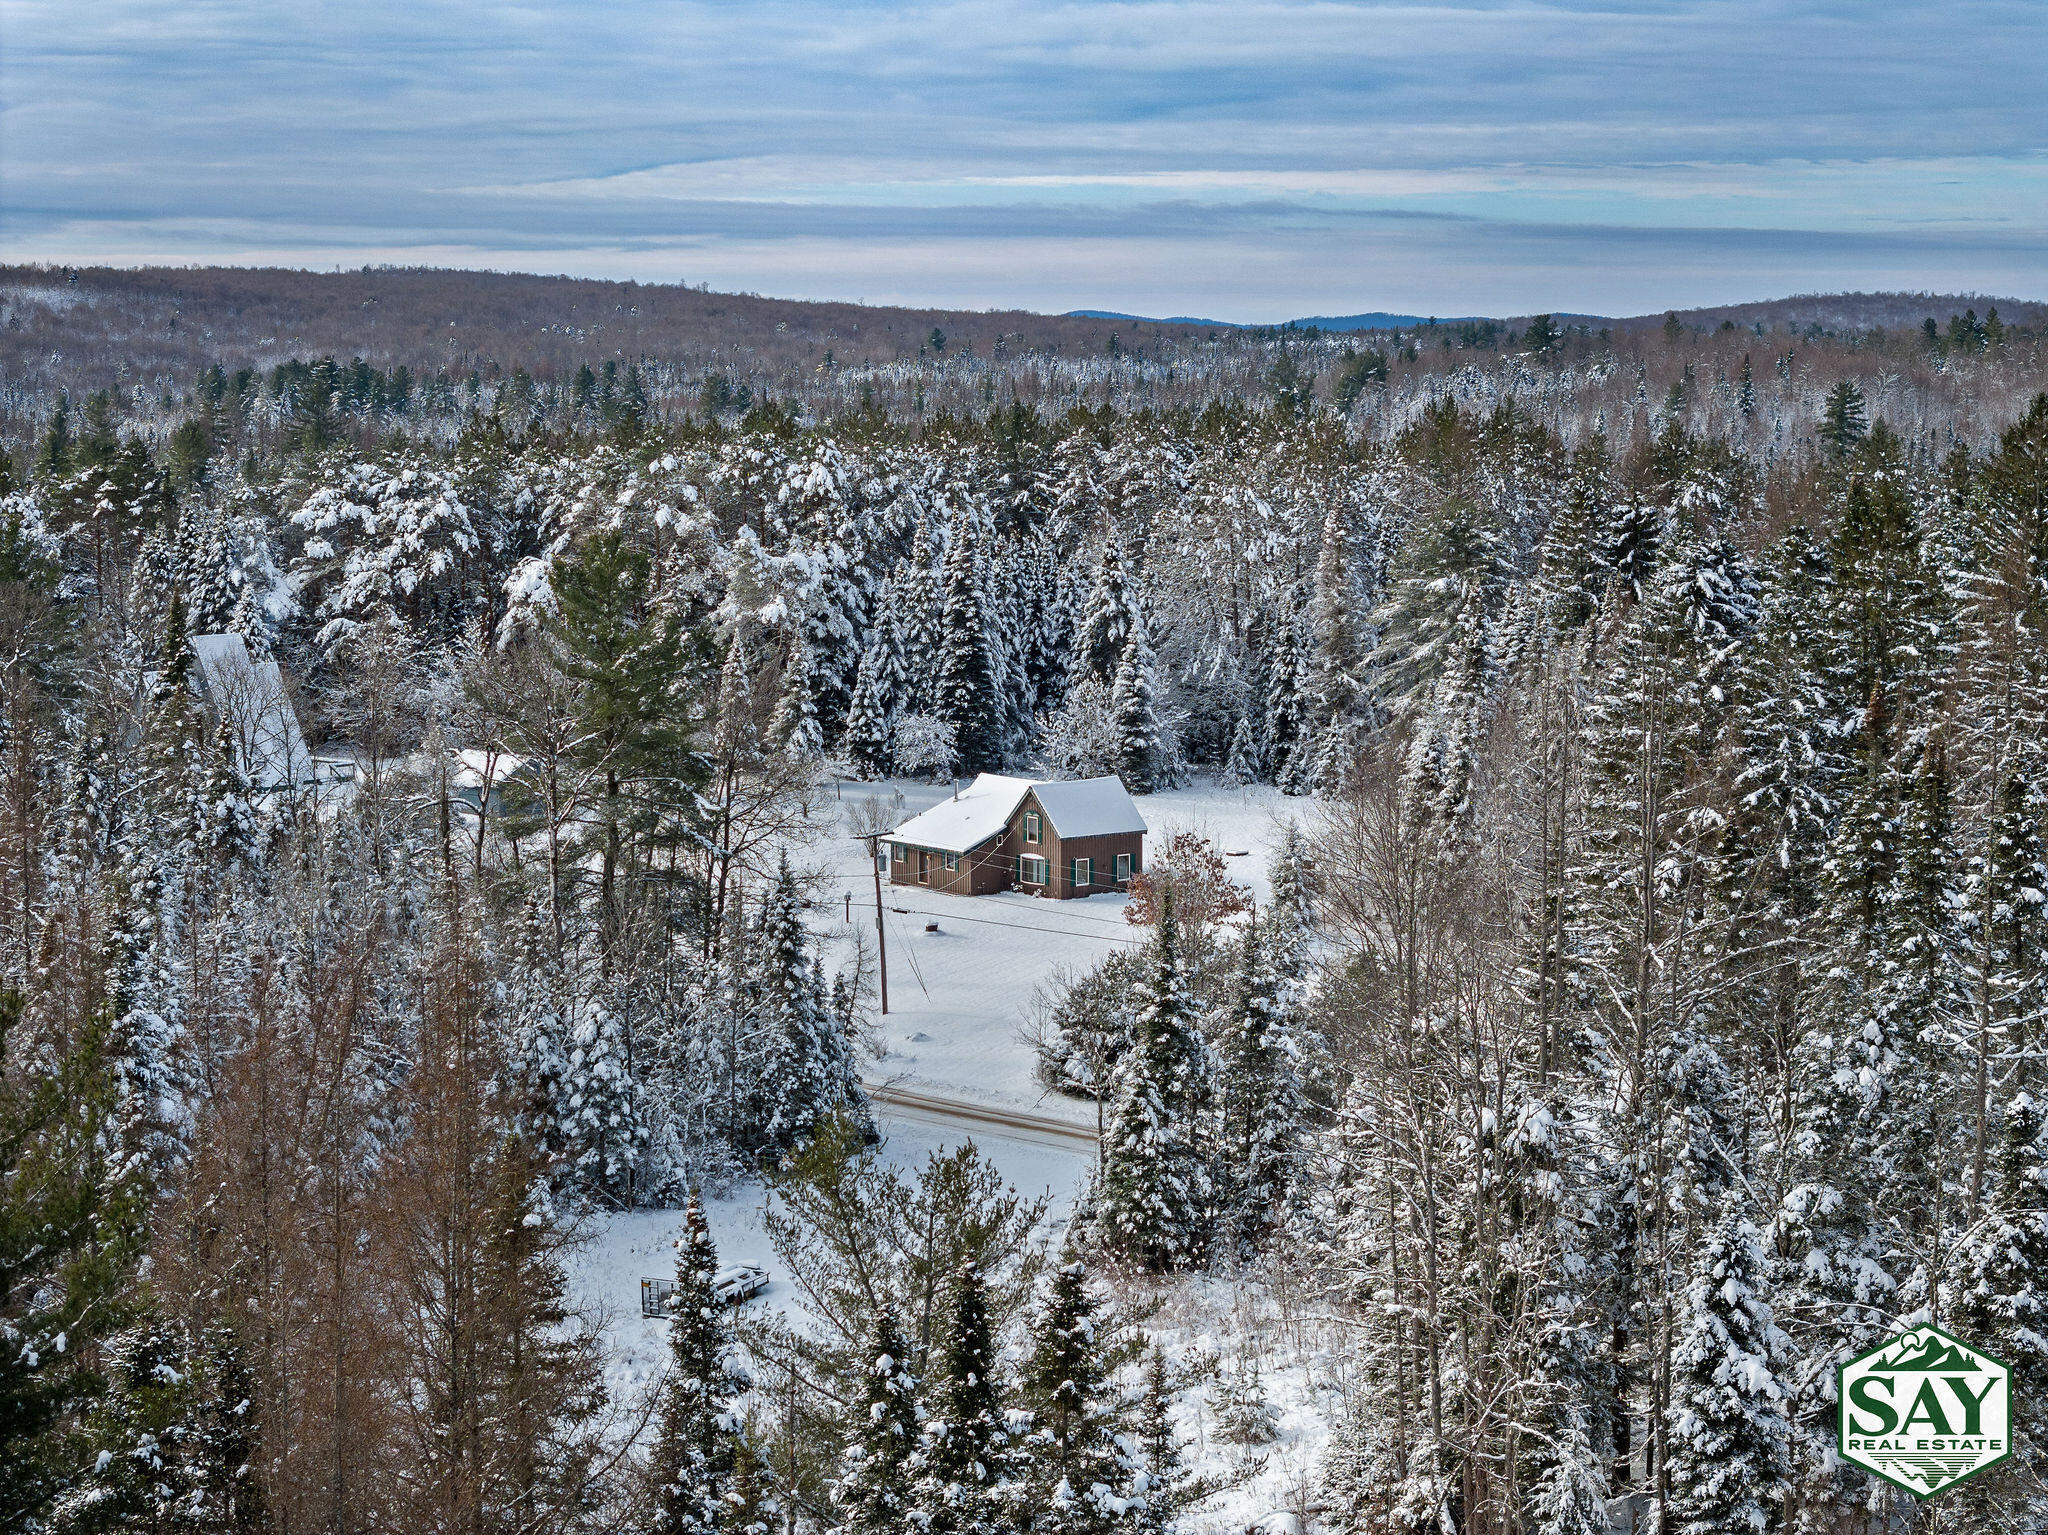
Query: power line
pixel 1028 927
pixel 1076 917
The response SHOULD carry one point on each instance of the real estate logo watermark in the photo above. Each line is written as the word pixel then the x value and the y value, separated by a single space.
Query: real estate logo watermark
pixel 1926 1410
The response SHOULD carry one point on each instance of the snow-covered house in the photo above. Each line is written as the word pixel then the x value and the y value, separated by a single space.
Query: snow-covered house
pixel 1047 836
pixel 249 697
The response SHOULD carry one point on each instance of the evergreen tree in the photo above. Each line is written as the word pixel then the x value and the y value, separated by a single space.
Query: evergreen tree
pixel 795 726
pixel 967 695
pixel 1728 1427
pixel 1102 633
pixel 1152 1205
pixel 873 1488
pixel 1996 1292
pixel 139 1478
pixel 877 693
pixel 1336 686
pixel 600 1116
pixel 1165 1488
pixel 964 1484
pixel 1259 1089
pixel 697 1437
pixel 1075 1462
pixel 1843 423
pixel 621 645
pixel 1140 757
pixel 808 1073
pixel 2006 896
pixel 224 1493
pixel 1242 765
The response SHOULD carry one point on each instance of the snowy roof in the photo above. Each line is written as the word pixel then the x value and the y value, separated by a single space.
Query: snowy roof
pixel 250 696
pixel 473 767
pixel 962 823
pixel 1087 807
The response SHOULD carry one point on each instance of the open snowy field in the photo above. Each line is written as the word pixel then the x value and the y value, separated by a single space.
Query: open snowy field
pixel 958 1000
pixel 958 997
pixel 629 1246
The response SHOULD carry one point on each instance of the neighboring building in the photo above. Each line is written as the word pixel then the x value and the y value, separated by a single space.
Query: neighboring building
pixel 250 697
pixel 1051 838
pixel 484 779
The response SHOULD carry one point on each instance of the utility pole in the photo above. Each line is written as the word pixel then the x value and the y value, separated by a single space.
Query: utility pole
pixel 874 841
pixel 870 822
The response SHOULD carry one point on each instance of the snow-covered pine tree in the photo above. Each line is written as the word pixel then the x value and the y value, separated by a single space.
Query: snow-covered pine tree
pixel 1242 763
pixel 230 830
pixel 795 726
pixel 1258 1087
pixel 808 1072
pixel 697 1436
pixel 1163 1485
pixel 2006 898
pixel 224 1495
pixel 137 1477
pixel 1728 1431
pixel 1103 631
pixel 1075 1468
pixel 1996 1289
pixel 1335 687
pixel 1244 1415
pixel 917 595
pixel 599 1114
pixel 966 696
pixel 873 1488
pixel 1152 1205
pixel 1142 756
pixel 1295 769
pixel 965 1482
pixel 877 688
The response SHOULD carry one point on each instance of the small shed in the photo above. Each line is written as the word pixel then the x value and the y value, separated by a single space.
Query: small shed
pixel 1059 838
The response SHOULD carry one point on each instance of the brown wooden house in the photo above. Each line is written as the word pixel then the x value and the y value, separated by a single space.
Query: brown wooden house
pixel 1053 838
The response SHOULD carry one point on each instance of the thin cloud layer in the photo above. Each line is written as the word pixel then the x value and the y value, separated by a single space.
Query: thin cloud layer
pixel 1256 159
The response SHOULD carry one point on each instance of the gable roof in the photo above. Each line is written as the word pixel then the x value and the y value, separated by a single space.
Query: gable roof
pixel 261 725
pixel 962 823
pixel 1088 807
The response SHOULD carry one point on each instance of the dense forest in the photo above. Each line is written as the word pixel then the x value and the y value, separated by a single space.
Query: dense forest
pixel 1647 1018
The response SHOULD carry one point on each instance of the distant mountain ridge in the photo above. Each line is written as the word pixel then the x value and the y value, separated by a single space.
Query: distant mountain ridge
pixel 1834 311
pixel 1376 320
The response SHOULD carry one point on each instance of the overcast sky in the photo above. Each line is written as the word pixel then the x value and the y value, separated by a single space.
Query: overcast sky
pixel 1248 160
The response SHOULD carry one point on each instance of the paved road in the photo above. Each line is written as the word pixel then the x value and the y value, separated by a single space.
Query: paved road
pixel 965 1114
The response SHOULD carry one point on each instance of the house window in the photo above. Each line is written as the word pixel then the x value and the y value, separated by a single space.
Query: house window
pixel 1084 872
pixel 1031 826
pixel 1123 867
pixel 1033 870
pixel 952 861
pixel 902 853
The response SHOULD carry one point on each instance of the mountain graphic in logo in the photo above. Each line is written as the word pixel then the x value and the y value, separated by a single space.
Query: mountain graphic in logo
pixel 1936 1353
pixel 1925 1410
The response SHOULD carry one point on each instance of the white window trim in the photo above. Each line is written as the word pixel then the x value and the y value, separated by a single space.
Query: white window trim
pixel 1034 829
pixel 1075 869
pixel 952 862
pixel 1034 870
pixel 1123 867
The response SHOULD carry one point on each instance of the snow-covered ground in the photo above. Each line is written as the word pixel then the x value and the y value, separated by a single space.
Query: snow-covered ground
pixel 629 1246
pixel 958 999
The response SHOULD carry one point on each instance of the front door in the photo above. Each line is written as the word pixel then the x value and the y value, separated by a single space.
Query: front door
pixel 924 868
